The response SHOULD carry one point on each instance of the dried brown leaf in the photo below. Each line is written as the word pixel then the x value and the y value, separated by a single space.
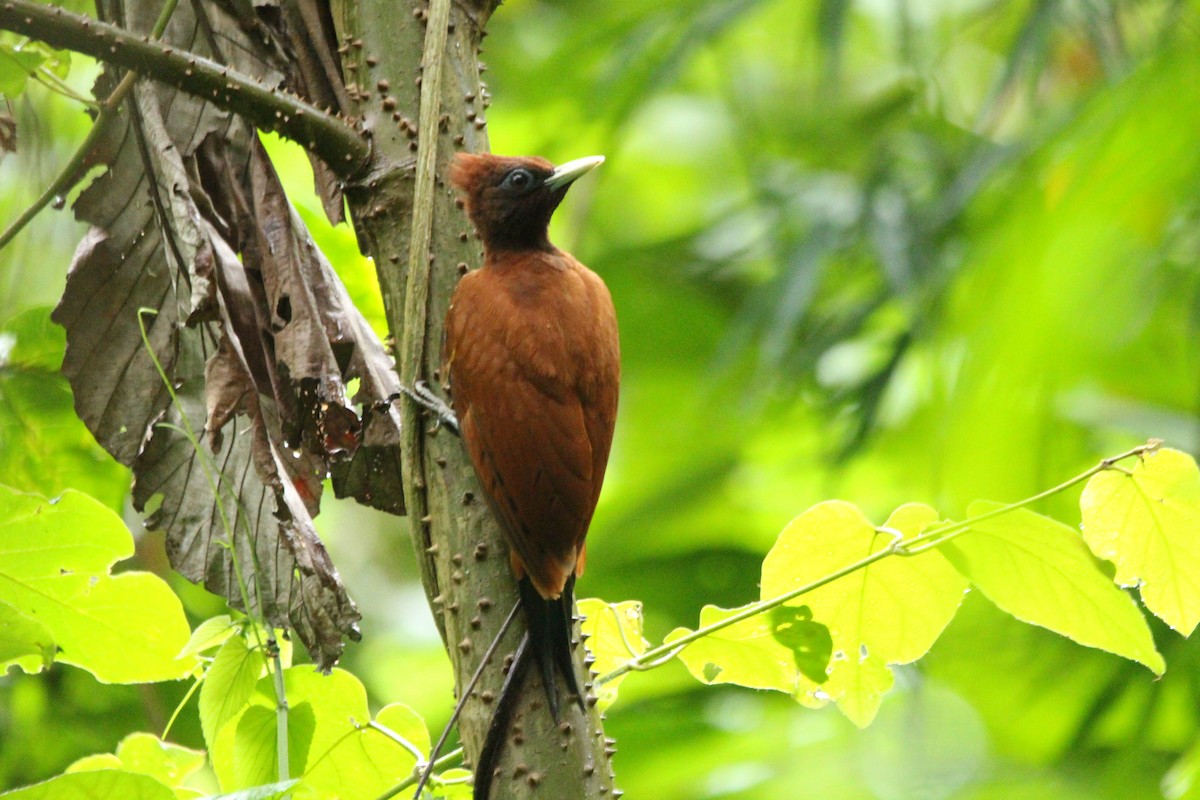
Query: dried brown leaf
pixel 193 236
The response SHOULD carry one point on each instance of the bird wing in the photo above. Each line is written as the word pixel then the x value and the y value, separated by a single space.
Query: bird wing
pixel 599 394
pixel 526 431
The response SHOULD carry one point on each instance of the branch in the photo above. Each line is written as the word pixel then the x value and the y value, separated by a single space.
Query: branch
pixel 337 143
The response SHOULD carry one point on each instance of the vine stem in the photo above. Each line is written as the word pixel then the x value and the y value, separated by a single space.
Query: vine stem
pixel 107 111
pixel 337 143
pixel 939 535
pixel 417 289
pixel 919 544
pixel 412 749
pixel 281 709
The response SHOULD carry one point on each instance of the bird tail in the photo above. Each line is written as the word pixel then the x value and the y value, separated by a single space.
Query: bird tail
pixel 549 624
pixel 548 641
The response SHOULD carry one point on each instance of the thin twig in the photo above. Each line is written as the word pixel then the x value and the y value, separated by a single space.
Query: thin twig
pixel 338 144
pixel 57 85
pixel 463 695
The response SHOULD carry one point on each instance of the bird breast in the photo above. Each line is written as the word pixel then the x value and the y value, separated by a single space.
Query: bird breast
pixel 553 307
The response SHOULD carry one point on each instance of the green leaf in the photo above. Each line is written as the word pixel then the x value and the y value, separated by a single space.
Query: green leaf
pixel 95 762
pixel 453 784
pixel 108 784
pixel 228 685
pixel 146 754
pixel 44 447
pixel 1146 524
pixel 407 723
pixel 55 558
pixel 15 66
pixel 57 61
pixel 24 641
pixel 753 652
pixel 614 635
pixel 1040 571
pixel 255 755
pixel 365 762
pixel 268 791
pixel 330 743
pixel 890 612
pixel 168 763
pixel 209 634
pixel 810 642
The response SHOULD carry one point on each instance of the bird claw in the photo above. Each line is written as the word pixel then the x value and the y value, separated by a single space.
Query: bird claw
pixel 443 414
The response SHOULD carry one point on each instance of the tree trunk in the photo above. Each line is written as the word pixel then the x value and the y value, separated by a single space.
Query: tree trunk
pixel 462 555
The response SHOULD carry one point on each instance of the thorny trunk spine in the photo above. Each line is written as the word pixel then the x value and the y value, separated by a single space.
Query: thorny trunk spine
pixel 460 550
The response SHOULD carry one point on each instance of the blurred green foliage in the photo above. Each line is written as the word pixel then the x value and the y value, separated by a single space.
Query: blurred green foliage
pixel 918 250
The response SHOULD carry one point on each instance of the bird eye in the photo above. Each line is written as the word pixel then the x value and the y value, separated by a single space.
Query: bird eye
pixel 518 180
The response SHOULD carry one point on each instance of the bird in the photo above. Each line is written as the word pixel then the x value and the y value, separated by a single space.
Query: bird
pixel 532 357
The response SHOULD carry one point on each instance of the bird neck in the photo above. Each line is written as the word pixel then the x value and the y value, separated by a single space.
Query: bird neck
pixel 524 259
pixel 522 242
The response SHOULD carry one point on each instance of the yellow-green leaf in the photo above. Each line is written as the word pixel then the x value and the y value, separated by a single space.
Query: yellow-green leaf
pixel 24 641
pixel 105 784
pixel 228 685
pixel 1146 523
pixel 55 561
pixel 330 742
pixel 146 754
pixel 268 791
pixel 614 635
pixel 94 762
pixel 769 650
pixel 406 723
pixel 365 761
pixel 890 612
pixel 453 784
pixel 255 741
pixel 1040 571
pixel 168 763
pixel 209 634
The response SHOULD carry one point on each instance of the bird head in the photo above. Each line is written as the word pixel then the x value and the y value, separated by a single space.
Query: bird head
pixel 510 200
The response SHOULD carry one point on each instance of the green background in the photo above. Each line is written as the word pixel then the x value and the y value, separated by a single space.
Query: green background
pixel 921 250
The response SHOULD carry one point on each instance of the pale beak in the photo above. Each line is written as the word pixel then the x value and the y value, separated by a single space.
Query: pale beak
pixel 566 174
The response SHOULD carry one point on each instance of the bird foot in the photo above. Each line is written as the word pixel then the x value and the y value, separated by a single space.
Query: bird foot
pixel 422 395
